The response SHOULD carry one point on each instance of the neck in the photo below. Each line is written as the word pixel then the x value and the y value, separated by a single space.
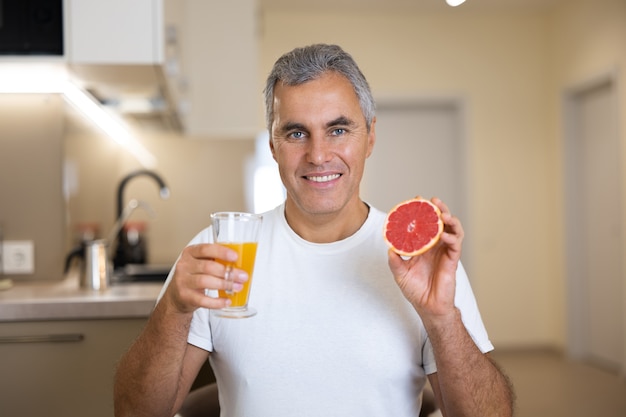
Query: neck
pixel 326 227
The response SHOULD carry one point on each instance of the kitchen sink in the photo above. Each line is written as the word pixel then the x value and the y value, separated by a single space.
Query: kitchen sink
pixel 134 273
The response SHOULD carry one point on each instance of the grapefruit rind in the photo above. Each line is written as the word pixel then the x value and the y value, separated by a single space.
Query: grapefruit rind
pixel 414 243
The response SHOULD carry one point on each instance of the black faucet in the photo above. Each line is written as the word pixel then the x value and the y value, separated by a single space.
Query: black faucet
pixel 119 259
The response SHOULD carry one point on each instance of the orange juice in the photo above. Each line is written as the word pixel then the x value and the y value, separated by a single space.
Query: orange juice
pixel 247 255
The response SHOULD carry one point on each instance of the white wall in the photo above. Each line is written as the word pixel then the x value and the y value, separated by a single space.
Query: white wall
pixel 589 42
pixel 31 152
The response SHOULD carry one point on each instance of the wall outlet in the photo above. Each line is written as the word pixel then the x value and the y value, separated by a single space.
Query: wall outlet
pixel 18 257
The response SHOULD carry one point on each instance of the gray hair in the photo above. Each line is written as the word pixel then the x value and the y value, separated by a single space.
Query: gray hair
pixel 310 62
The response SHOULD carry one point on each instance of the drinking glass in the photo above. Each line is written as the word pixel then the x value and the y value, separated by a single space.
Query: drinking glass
pixel 240 232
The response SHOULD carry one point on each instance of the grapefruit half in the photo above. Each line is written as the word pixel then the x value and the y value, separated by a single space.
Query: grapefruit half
pixel 413 226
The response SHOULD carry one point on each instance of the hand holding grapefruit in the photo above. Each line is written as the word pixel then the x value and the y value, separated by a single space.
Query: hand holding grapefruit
pixel 413 227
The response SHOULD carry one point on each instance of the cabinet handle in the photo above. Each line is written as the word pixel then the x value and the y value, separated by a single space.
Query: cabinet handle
pixel 44 338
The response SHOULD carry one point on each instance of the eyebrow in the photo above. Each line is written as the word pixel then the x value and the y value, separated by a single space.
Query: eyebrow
pixel 289 126
pixel 339 121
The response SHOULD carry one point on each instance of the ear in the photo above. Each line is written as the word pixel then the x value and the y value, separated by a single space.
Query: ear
pixel 371 137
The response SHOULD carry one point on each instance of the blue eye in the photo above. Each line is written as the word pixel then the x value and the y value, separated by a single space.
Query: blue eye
pixel 297 135
pixel 339 131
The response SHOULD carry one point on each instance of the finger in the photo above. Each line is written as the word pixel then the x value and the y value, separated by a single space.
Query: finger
pixel 212 251
pixel 223 277
pixel 192 277
pixel 230 284
pixel 200 276
pixel 441 205
pixel 199 261
pixel 187 298
pixel 397 264
pixel 211 301
pixel 452 225
pixel 394 260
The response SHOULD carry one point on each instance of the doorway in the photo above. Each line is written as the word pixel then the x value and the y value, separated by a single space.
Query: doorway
pixel 420 150
pixel 594 229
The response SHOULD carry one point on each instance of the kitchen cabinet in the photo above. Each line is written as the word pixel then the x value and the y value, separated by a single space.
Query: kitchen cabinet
pixel 62 368
pixel 221 66
pixel 204 53
pixel 114 31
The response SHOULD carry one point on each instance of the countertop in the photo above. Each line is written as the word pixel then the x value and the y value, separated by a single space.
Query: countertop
pixel 65 300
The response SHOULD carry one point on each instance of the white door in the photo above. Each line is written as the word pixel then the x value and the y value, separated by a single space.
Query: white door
pixel 594 230
pixel 419 151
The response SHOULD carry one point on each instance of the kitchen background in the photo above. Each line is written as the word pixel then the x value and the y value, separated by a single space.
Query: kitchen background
pixel 509 69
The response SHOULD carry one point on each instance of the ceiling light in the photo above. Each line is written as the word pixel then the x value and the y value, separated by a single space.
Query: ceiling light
pixel 455 3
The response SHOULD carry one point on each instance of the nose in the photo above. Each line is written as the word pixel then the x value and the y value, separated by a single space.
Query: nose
pixel 319 150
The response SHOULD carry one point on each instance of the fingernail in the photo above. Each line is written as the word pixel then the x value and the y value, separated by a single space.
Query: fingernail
pixel 237 286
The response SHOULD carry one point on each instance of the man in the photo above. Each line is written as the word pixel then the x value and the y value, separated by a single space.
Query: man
pixel 345 327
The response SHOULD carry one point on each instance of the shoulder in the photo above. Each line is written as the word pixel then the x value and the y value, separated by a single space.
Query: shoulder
pixel 375 221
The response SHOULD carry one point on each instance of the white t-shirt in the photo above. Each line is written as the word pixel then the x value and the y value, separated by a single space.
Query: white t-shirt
pixel 333 335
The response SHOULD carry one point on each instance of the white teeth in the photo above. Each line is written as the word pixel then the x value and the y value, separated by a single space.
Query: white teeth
pixel 324 178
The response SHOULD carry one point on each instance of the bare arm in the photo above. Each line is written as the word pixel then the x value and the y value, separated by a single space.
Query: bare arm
pixel 155 375
pixel 467 382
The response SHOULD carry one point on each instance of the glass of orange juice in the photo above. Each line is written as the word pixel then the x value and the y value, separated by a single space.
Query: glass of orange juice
pixel 240 232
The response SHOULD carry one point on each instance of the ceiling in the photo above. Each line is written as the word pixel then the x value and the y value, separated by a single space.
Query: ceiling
pixel 408 5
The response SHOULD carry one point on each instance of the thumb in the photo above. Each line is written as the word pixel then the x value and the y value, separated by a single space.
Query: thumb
pixel 396 263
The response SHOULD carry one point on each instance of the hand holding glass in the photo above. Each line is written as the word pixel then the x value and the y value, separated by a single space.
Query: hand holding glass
pixel 239 232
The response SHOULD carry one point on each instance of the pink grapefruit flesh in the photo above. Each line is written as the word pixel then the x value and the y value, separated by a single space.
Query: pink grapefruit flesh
pixel 413 226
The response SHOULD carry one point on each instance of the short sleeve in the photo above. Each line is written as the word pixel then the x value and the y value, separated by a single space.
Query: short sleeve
pixel 199 331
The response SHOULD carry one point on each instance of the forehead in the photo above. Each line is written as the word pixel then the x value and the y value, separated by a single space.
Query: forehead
pixel 329 95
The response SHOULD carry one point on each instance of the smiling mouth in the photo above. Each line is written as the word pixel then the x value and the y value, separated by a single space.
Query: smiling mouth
pixel 323 178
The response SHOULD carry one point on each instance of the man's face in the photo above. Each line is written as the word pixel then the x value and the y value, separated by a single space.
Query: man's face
pixel 320 141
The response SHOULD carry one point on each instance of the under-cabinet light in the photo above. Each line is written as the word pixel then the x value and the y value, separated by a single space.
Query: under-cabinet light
pixel 32 77
pixel 52 78
pixel 108 122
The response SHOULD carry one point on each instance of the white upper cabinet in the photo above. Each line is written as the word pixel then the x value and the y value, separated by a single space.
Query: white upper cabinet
pixel 220 59
pixel 114 31
pixel 206 49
